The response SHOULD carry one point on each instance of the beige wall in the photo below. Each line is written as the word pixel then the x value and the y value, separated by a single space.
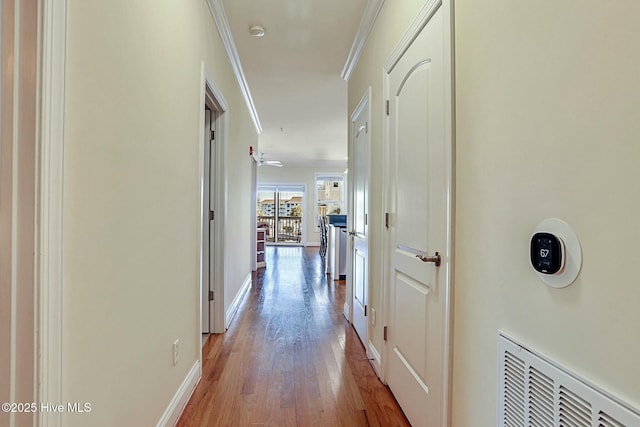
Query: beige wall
pixel 548 118
pixel 132 201
pixel 547 122
pixel 300 175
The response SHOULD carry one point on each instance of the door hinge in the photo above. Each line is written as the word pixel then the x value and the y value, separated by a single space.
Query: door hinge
pixel 212 135
pixel 211 215
pixel 366 219
pixel 365 311
pixel 384 333
pixel 210 295
pixel 387 106
pixel 386 220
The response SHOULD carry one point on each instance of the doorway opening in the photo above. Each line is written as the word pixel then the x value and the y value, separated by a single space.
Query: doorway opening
pixel 280 210
pixel 213 210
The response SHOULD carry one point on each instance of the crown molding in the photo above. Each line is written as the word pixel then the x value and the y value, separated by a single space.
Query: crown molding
pixel 369 16
pixel 222 23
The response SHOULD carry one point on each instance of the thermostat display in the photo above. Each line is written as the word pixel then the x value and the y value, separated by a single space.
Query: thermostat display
pixel 547 253
pixel 555 253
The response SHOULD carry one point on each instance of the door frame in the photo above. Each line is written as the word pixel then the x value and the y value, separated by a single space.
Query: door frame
pixel 365 102
pixel 418 24
pixel 52 33
pixel 211 94
pixel 254 213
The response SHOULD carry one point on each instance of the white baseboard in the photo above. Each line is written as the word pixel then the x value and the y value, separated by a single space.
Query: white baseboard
pixel 313 244
pixel 235 304
pixel 377 359
pixel 181 398
pixel 347 310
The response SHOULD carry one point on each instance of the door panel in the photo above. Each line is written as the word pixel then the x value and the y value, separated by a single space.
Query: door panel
pixel 417 190
pixel 360 292
pixel 412 175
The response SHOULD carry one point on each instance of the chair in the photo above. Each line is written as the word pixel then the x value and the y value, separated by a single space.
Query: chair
pixel 323 235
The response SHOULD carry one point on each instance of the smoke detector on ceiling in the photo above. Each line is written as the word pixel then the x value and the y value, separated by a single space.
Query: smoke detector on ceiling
pixel 257 31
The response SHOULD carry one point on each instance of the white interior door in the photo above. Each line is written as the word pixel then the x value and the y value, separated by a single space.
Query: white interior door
pixel 417 168
pixel 360 260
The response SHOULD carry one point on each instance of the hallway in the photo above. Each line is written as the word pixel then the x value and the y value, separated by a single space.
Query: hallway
pixel 290 358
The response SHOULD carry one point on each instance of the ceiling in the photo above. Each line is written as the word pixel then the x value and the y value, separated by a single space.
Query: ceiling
pixel 293 73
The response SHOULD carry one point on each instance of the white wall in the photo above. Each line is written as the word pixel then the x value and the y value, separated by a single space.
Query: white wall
pixel 301 175
pixel 132 201
pixel 548 118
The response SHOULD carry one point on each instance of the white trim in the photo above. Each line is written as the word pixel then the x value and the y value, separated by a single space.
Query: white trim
pixel 362 104
pixel 172 414
pixel 53 23
pixel 222 23
pixel 201 175
pixel 375 358
pixel 384 232
pixel 254 212
pixel 346 311
pixel 449 132
pixel 418 24
pixel 424 16
pixel 371 12
pixel 218 99
pixel 222 213
pixel 235 304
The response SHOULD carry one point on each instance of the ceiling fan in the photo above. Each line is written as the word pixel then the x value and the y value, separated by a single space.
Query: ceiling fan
pixel 262 162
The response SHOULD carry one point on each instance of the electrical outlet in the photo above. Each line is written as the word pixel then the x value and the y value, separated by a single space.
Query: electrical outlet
pixel 373 317
pixel 176 352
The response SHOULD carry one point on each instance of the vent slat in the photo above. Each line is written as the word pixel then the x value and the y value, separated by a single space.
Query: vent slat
pixel 537 420
pixel 542 378
pixel 540 399
pixel 568 414
pixel 510 423
pixel 576 400
pixel 541 411
pixel 515 379
pixel 573 408
pixel 515 388
pixel 514 402
pixel 541 414
pixel 605 420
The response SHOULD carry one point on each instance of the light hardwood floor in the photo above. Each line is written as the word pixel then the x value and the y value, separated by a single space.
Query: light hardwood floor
pixel 290 358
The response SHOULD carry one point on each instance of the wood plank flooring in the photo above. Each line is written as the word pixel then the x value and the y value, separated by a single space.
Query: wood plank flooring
pixel 290 358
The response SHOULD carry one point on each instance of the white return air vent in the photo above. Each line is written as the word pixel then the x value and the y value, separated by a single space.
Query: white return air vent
pixel 536 393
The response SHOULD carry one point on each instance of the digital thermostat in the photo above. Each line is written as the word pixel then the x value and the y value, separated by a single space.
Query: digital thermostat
pixel 547 253
pixel 555 253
